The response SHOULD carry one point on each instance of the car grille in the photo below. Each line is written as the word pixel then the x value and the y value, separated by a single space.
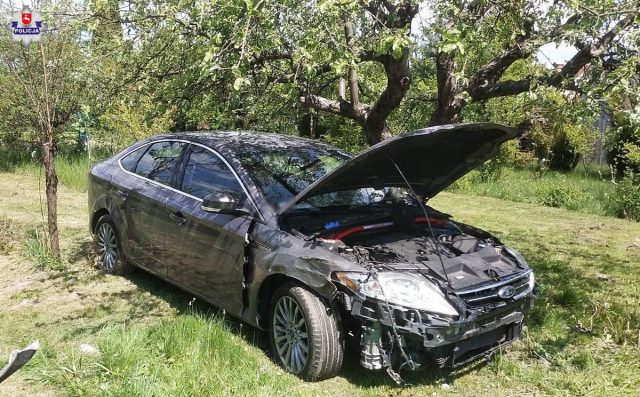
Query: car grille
pixel 479 296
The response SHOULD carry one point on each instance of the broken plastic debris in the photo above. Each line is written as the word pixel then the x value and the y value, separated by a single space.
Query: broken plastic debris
pixel 18 358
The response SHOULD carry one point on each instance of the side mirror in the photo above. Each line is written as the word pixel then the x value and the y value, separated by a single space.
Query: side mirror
pixel 224 203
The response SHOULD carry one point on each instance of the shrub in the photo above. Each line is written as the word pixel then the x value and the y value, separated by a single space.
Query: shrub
pixel 565 154
pixel 466 184
pixel 492 170
pixel 560 194
pixel 623 144
pixel 625 200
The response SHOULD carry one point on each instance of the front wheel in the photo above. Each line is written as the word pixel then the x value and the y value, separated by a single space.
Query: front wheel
pixel 306 335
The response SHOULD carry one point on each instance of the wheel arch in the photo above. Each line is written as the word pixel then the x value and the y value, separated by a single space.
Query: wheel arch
pixel 96 216
pixel 272 282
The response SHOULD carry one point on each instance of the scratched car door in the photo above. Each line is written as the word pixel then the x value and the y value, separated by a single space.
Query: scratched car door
pixel 204 250
pixel 146 203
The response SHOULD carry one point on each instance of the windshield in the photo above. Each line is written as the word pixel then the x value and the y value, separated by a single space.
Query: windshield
pixel 356 198
pixel 282 173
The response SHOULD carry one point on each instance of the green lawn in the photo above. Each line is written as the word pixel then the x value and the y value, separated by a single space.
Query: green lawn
pixel 583 337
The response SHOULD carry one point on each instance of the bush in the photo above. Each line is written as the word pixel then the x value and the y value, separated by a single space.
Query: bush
pixel 492 170
pixel 562 195
pixel 625 200
pixel 623 146
pixel 565 154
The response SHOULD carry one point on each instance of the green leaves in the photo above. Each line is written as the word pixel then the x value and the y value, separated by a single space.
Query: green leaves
pixel 241 82
pixel 394 43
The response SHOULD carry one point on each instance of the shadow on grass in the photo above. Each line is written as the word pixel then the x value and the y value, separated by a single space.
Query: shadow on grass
pixel 83 251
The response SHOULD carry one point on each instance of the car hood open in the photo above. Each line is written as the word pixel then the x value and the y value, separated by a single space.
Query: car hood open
pixel 430 158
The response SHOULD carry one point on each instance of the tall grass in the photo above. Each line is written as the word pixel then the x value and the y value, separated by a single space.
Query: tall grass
pixel 191 355
pixel 36 249
pixel 6 235
pixel 587 190
pixel 72 168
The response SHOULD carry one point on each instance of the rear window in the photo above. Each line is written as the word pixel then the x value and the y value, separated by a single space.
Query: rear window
pixel 130 161
pixel 159 161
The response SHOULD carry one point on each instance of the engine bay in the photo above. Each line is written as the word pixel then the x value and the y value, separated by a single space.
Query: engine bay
pixel 433 246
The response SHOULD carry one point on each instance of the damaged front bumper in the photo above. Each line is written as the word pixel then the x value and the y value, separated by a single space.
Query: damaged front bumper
pixel 397 336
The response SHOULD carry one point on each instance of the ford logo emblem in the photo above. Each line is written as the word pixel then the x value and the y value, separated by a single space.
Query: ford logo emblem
pixel 506 292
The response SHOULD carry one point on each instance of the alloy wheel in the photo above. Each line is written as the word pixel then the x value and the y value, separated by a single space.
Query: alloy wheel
pixel 290 334
pixel 107 247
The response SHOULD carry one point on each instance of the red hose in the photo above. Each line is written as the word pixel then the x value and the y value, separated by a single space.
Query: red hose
pixel 358 229
pixel 345 233
pixel 433 221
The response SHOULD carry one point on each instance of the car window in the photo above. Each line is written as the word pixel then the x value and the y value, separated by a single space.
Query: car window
pixel 159 161
pixel 205 173
pixel 130 161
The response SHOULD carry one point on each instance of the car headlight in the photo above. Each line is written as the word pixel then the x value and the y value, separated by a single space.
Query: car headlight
pixel 532 281
pixel 405 289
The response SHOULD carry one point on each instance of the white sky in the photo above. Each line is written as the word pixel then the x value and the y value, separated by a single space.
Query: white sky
pixel 549 53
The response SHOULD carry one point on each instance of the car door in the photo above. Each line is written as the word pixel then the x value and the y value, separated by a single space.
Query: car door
pixel 205 251
pixel 146 202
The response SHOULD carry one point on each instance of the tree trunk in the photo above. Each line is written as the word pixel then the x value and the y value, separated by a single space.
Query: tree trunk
pixel 51 183
pixel 51 177
pixel 398 81
pixel 448 106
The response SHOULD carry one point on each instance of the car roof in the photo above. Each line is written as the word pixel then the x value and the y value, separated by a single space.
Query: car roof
pixel 232 142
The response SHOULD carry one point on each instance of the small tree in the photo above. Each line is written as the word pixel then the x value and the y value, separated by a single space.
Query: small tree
pixel 44 74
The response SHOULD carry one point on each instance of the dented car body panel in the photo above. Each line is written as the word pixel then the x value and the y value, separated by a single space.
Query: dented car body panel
pixel 310 213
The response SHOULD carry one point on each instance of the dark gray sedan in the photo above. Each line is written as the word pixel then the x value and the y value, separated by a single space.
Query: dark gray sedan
pixel 319 247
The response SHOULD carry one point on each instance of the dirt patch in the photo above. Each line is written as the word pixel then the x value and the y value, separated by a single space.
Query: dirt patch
pixel 13 278
pixel 17 386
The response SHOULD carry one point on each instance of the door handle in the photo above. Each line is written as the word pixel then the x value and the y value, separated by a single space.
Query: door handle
pixel 178 218
pixel 123 194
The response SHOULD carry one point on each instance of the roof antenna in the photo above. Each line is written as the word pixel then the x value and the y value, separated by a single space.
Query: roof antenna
pixel 426 215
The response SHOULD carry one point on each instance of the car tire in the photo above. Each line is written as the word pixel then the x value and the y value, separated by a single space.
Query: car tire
pixel 111 258
pixel 314 324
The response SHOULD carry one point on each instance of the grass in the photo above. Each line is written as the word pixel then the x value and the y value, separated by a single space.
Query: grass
pixel 72 168
pixel 36 249
pixel 191 355
pixel 581 338
pixel 588 190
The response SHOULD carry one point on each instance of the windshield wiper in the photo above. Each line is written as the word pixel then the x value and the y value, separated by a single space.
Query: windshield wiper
pixel 301 210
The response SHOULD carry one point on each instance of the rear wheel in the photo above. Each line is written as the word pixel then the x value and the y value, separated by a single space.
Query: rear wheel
pixel 306 335
pixel 110 257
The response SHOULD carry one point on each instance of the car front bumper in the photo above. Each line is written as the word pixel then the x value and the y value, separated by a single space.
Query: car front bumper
pixel 394 334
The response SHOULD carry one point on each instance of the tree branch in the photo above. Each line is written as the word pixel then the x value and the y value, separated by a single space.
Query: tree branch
pixel 353 73
pixel 492 71
pixel 585 54
pixel 341 108
pixel 267 56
